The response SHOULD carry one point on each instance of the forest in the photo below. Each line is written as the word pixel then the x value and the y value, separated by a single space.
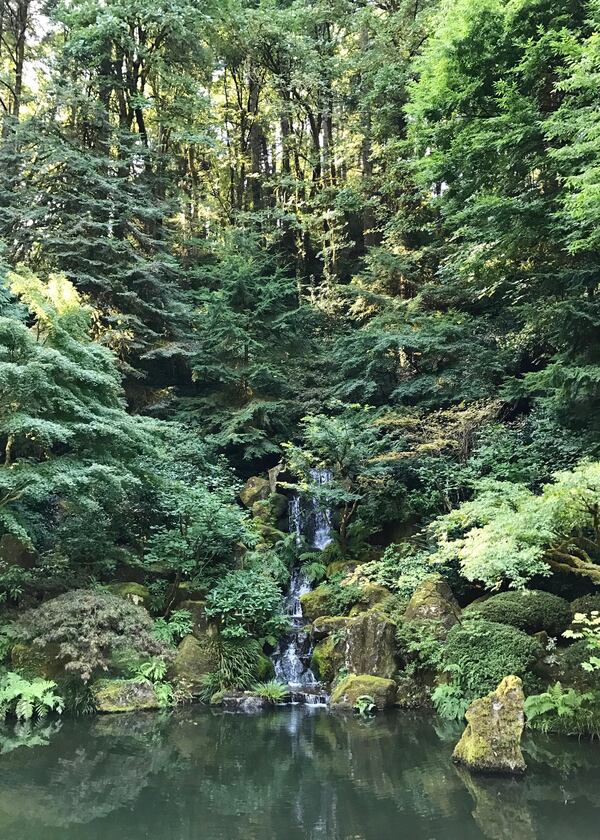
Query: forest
pixel 269 267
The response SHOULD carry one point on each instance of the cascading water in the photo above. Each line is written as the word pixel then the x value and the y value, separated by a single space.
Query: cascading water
pixel 291 658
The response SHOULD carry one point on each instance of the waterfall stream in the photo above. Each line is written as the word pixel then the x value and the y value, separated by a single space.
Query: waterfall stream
pixel 291 658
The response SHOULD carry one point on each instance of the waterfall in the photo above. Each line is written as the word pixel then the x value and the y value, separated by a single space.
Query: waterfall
pixel 291 659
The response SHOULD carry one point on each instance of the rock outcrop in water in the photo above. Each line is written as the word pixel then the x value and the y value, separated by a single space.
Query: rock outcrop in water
pixel 193 661
pixel 492 740
pixel 347 692
pixel 370 645
pixel 124 696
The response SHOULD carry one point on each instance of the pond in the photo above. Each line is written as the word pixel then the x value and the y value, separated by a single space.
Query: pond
pixel 292 774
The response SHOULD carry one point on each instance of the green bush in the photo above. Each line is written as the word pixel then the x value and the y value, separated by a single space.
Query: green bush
pixel 530 610
pixel 586 603
pixel 91 629
pixel 247 604
pixel 564 712
pixel 479 654
pixel 273 691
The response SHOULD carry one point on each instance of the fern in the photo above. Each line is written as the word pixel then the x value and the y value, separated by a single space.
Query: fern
pixel 26 700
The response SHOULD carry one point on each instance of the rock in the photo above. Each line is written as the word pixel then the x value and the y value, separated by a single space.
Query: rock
pixel 124 695
pixel 187 592
pixel 269 535
pixel 491 741
pixel 37 661
pixel 14 552
pixel 433 600
pixel 194 660
pixel 413 694
pixel 370 645
pixel 137 593
pixel 197 609
pixel 315 603
pixel 327 624
pixel 255 490
pixel 371 595
pixel 346 566
pixel 328 658
pixel 270 510
pixel 248 703
pixel 353 686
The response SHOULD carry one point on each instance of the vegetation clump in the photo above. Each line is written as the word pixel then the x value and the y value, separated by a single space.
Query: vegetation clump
pixel 528 610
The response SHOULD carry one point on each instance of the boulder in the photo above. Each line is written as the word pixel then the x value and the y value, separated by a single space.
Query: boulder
pixel 270 510
pixel 328 658
pixel 370 645
pixel 194 660
pixel 37 661
pixel 327 624
pixel 197 610
pixel 14 552
pixel 244 702
pixel 315 603
pixel 124 695
pixel 371 594
pixel 336 566
pixel 413 694
pixel 433 600
pixel 491 741
pixel 347 692
pixel 256 489
pixel 137 593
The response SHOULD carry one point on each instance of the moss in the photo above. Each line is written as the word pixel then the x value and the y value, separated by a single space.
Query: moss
pixel 338 566
pixel 325 625
pixel 124 696
pixel 433 600
pixel 530 610
pixel 347 692
pixel 316 603
pixel 194 660
pixel 270 510
pixel 327 658
pixel 254 490
pixel 491 741
pixel 371 594
pixel 370 645
pixel 37 661
pixel 137 593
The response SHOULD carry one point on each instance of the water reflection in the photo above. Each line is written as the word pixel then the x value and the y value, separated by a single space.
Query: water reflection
pixel 291 774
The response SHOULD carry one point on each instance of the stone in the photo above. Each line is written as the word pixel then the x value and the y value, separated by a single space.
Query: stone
pixel 370 645
pixel 248 703
pixel 197 610
pixel 336 566
pixel 347 692
pixel 328 658
pixel 194 660
pixel 327 624
pixel 433 600
pixel 14 552
pixel 254 490
pixel 491 741
pixel 270 510
pixel 315 603
pixel 413 694
pixel 37 661
pixel 137 593
pixel 371 594
pixel 124 696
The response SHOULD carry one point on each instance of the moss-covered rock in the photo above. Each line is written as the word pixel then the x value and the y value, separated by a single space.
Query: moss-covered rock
pixel 325 625
pixel 337 566
pixel 194 660
pixel 197 610
pixel 37 661
pixel 491 741
pixel 124 696
pixel 413 694
pixel 370 645
pixel 433 600
pixel 255 490
pixel 14 552
pixel 188 592
pixel 347 692
pixel 137 593
pixel 316 603
pixel 270 510
pixel 328 658
pixel 371 595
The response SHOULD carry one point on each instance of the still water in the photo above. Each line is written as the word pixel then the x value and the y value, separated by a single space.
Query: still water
pixel 293 774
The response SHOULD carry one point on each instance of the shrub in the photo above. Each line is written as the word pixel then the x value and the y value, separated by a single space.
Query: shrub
pixel 273 691
pixel 528 610
pixel 172 630
pixel 586 603
pixel 91 628
pixel 246 604
pixel 565 712
pixel 237 665
pixel 479 654
pixel 572 661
